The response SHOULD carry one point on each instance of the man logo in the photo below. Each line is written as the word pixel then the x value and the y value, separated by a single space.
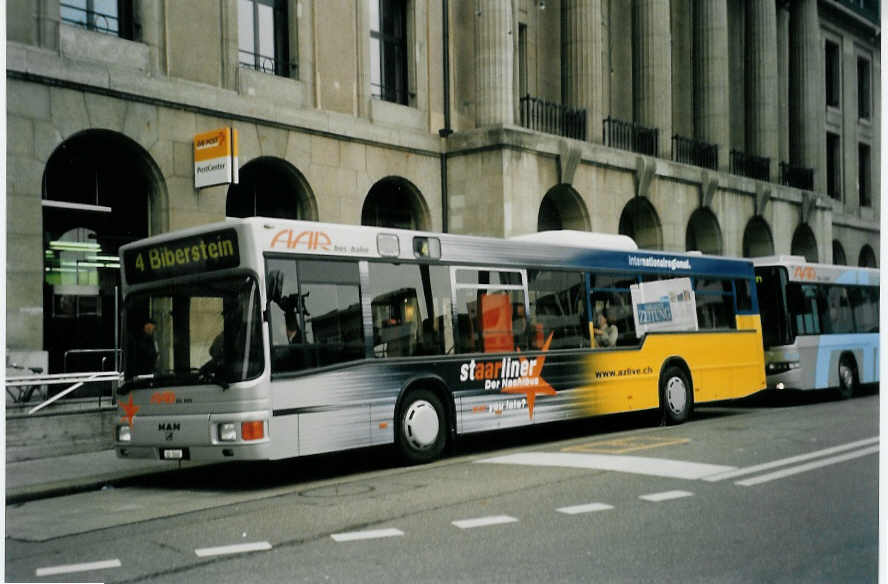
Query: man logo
pixel 312 240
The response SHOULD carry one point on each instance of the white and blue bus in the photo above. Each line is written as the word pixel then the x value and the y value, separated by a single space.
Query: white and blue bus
pixel 820 324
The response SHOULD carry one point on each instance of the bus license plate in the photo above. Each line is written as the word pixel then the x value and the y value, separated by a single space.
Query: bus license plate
pixel 173 454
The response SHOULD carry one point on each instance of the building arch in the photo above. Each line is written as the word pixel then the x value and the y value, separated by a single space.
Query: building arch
pixel 804 243
pixel 396 202
pixel 867 257
pixel 838 253
pixel 99 190
pixel 562 208
pixel 757 239
pixel 639 220
pixel 704 233
pixel 271 187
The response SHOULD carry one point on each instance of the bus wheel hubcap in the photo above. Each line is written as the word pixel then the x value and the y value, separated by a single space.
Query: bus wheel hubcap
pixel 676 395
pixel 847 376
pixel 421 424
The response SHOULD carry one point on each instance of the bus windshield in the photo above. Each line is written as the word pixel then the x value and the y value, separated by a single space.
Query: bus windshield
pixel 776 330
pixel 196 333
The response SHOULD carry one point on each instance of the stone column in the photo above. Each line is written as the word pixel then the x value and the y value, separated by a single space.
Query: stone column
pixel 653 69
pixel 807 97
pixel 494 58
pixel 761 80
pixel 783 80
pixel 581 64
pixel 712 111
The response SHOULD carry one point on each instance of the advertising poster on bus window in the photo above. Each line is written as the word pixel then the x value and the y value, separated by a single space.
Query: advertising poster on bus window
pixel 664 305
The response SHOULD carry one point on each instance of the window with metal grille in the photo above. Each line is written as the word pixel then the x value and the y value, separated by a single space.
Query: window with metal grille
pixel 388 50
pixel 114 17
pixel 263 41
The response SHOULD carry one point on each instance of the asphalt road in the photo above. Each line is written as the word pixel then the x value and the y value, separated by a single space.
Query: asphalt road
pixel 778 489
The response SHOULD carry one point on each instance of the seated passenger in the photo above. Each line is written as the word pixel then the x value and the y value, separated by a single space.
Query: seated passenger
pixel 605 334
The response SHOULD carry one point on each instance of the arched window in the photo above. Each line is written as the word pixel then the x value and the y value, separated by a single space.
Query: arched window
pixel 838 257
pixel 97 187
pixel 867 257
pixel 395 202
pixel 562 208
pixel 757 240
pixel 271 187
pixel 639 221
pixel 804 243
pixel 703 232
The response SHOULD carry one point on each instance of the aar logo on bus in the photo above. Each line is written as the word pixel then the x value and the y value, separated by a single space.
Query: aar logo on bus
pixel 311 240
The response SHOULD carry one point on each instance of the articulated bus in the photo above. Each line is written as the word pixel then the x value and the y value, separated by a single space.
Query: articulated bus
pixel 820 324
pixel 278 338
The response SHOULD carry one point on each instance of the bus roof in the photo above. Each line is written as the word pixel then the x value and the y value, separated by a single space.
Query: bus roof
pixel 273 235
pixel 800 270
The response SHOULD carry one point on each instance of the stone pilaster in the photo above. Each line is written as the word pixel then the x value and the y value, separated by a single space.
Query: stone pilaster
pixel 807 97
pixel 761 80
pixel 783 80
pixel 581 61
pixel 494 59
pixel 712 119
pixel 653 69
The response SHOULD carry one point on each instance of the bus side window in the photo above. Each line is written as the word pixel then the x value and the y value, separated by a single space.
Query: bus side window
pixel 610 295
pixel 410 306
pixel 865 307
pixel 838 318
pixel 715 303
pixel 557 307
pixel 488 319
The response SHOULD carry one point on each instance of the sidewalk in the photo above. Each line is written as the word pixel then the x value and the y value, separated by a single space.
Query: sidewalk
pixel 45 477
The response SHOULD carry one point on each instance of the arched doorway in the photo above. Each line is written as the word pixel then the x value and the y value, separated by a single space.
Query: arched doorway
pixel 562 208
pixel 838 251
pixel 867 257
pixel 703 233
pixel 757 240
pixel 395 202
pixel 639 221
pixel 271 187
pixel 98 187
pixel 804 243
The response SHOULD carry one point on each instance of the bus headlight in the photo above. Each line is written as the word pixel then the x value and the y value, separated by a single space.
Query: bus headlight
pixel 227 432
pixel 124 434
pixel 775 367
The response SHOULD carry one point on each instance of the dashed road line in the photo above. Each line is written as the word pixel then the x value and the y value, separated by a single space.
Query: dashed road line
pixel 806 467
pixel 72 568
pixel 787 461
pixel 240 548
pixel 369 534
pixel 666 496
pixel 587 508
pixel 484 521
pixel 661 467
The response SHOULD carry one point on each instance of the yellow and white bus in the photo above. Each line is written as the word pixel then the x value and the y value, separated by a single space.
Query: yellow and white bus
pixel 278 338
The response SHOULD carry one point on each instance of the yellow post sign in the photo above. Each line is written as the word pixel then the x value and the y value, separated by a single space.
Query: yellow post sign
pixel 215 158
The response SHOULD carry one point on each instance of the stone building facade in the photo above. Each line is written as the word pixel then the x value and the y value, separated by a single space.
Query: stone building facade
pixel 737 127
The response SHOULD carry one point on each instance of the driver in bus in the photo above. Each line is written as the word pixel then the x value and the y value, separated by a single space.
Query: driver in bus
pixel 143 349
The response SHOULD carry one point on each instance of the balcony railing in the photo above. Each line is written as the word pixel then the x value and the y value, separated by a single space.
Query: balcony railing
pixel 696 152
pixel 90 19
pixel 264 63
pixel 796 176
pixel 757 167
pixel 869 9
pixel 631 136
pixel 553 118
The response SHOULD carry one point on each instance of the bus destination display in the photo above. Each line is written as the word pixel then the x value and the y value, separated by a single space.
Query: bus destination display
pixel 217 250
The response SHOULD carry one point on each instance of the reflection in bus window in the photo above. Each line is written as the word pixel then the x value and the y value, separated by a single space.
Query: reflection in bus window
pixel 411 310
pixel 865 307
pixel 839 318
pixel 715 303
pixel 610 296
pixel 557 307
pixel 806 307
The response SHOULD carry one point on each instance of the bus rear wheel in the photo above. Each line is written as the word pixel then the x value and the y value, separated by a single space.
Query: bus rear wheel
pixel 676 398
pixel 847 379
pixel 421 432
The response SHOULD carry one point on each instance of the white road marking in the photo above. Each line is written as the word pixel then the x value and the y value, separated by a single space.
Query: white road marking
pixel 370 534
pixel 660 467
pixel 787 461
pixel 588 508
pixel 240 548
pixel 667 496
pixel 806 467
pixel 484 521
pixel 71 568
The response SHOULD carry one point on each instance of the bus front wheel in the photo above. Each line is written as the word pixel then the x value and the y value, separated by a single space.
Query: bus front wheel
pixel 676 398
pixel 422 427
